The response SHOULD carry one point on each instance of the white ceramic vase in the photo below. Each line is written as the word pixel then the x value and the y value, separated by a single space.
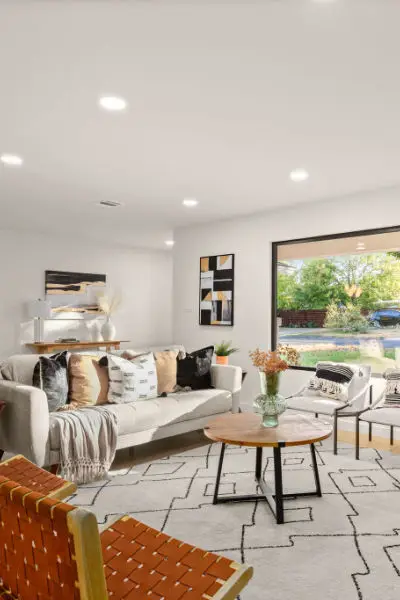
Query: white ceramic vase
pixel 108 330
pixel 95 332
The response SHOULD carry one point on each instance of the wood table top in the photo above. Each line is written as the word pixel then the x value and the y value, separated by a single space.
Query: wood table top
pixel 246 429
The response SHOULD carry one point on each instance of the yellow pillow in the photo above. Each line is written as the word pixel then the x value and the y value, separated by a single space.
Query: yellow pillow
pixel 88 381
pixel 166 371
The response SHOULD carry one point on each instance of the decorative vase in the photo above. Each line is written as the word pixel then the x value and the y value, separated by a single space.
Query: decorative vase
pixel 222 360
pixel 108 330
pixel 270 404
pixel 95 332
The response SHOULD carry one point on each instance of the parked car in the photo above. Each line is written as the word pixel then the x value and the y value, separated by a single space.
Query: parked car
pixel 385 317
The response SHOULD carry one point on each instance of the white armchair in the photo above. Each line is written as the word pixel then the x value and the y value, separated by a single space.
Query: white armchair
pixel 360 395
pixel 376 412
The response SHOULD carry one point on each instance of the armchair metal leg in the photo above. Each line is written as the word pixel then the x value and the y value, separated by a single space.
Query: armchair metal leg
pixel 335 418
pixel 391 435
pixel 370 432
pixel 357 438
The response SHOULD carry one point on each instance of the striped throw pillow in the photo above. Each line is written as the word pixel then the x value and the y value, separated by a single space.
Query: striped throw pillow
pixel 392 391
pixel 332 380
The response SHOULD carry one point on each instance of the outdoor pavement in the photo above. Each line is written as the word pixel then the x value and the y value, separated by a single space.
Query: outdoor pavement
pixel 389 338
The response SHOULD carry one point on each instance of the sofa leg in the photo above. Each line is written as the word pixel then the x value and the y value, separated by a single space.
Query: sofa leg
pixel 1 453
pixel 370 432
pixel 316 415
pixel 391 435
pixel 357 438
pixel 335 433
pixel 54 469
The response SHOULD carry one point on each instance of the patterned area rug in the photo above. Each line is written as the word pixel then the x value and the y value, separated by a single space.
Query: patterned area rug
pixel 345 545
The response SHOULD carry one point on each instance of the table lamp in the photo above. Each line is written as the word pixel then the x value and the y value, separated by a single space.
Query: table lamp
pixel 39 310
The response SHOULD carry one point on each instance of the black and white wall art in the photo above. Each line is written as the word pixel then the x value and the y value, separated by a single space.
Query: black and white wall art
pixel 216 289
pixel 74 292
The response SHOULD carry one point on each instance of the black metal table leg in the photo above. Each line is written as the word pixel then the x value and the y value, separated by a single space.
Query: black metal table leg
pixel 274 497
pixel 315 469
pixel 259 452
pixel 220 463
pixel 278 484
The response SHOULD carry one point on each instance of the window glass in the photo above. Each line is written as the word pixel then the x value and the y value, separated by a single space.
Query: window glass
pixel 339 299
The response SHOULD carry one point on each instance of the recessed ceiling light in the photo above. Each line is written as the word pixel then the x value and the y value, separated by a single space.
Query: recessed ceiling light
pixel 169 242
pixel 190 202
pixel 11 160
pixel 299 175
pixel 113 103
pixel 360 246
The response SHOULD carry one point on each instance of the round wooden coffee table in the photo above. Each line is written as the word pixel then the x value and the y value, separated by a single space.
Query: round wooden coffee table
pixel 246 429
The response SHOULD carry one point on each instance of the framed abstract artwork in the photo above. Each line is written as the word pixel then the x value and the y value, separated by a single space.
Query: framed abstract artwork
pixel 217 274
pixel 74 292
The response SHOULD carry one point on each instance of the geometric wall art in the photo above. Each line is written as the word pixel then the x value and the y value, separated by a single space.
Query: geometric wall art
pixel 217 274
pixel 74 292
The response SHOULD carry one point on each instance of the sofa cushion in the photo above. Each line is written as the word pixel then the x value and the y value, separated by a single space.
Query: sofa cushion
pixel 175 408
pixel 166 366
pixel 194 371
pixel 131 380
pixel 50 375
pixel 392 391
pixel 88 381
pixel 332 380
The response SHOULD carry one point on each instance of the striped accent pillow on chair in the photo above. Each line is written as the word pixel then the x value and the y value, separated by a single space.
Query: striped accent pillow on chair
pixel 392 391
pixel 332 380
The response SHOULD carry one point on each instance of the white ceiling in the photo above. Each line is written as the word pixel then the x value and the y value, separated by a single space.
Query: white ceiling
pixel 225 99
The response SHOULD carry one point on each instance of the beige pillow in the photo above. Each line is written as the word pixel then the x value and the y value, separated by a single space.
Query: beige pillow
pixel 88 381
pixel 166 371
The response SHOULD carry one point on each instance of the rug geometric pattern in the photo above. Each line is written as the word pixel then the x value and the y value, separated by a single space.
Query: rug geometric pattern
pixel 343 546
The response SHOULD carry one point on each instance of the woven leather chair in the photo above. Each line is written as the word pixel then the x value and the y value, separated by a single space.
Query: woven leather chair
pixel 23 471
pixel 51 550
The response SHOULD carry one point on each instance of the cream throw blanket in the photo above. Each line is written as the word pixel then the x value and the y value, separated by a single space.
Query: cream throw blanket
pixel 88 441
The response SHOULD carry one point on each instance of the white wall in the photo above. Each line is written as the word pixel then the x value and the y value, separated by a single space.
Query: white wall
pixel 144 279
pixel 250 239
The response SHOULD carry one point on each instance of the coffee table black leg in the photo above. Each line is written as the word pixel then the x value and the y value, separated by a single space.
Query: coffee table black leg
pixel 221 462
pixel 259 453
pixel 315 469
pixel 278 485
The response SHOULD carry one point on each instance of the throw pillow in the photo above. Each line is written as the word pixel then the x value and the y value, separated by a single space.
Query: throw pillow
pixel 50 375
pixel 166 366
pixel 88 381
pixel 332 380
pixel 194 371
pixel 131 380
pixel 392 391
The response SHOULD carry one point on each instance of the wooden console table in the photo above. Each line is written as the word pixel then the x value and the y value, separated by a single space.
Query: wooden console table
pixel 48 347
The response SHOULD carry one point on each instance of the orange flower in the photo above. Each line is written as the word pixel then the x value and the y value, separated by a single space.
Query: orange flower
pixel 268 362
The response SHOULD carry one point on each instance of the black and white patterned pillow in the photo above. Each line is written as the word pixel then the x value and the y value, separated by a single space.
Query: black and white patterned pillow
pixel 392 391
pixel 332 380
pixel 51 375
pixel 131 380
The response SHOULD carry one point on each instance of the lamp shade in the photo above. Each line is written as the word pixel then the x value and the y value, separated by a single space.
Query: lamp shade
pixel 39 309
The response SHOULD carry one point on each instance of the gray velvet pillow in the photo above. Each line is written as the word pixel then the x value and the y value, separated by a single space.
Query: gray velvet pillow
pixel 50 375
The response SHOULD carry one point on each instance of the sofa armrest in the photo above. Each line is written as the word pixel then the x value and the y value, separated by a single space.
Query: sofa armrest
pixel 228 377
pixel 24 422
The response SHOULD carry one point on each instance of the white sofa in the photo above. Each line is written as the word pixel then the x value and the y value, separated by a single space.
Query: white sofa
pixel 27 427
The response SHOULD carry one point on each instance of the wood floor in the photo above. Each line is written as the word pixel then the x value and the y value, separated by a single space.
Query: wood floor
pixel 380 443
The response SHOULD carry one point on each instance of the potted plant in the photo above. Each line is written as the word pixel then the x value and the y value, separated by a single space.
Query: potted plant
pixel 223 352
